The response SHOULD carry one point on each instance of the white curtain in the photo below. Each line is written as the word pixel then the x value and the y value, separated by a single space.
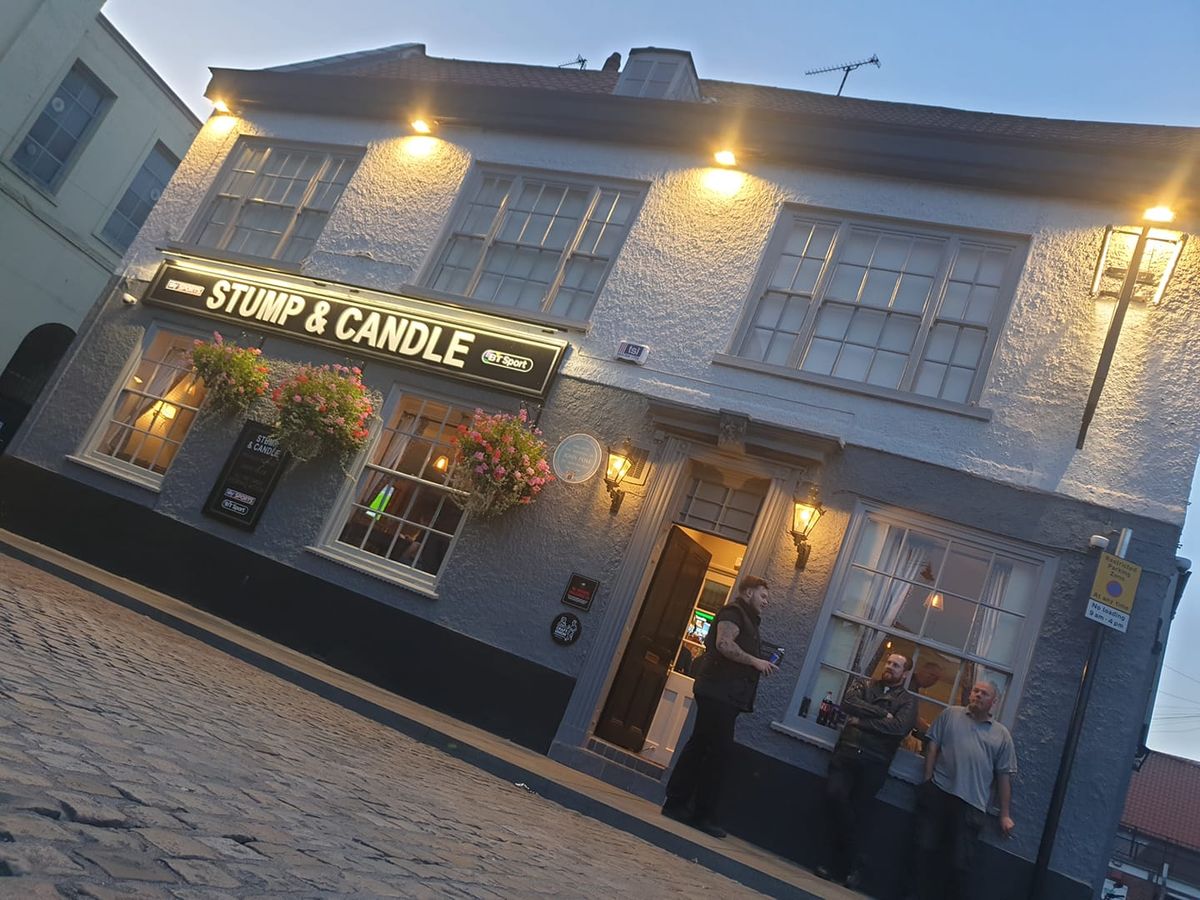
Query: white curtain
pixel 885 604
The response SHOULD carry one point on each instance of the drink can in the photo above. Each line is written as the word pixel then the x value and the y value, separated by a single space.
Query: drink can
pixel 776 656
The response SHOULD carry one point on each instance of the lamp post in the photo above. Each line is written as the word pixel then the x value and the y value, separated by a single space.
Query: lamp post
pixel 1155 214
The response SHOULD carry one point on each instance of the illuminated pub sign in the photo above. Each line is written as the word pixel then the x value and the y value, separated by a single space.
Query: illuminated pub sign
pixel 398 331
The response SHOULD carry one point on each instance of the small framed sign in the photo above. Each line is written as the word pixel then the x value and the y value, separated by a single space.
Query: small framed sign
pixel 248 478
pixel 565 629
pixel 577 458
pixel 580 592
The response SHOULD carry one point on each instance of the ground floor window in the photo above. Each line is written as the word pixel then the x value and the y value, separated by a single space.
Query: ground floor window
pixel 962 605
pixel 154 408
pixel 401 515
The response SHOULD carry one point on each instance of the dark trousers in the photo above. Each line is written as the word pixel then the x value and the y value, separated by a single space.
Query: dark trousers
pixel 947 834
pixel 702 762
pixel 850 787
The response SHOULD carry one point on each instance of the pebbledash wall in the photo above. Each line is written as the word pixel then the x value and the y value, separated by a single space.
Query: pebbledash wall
pixel 479 645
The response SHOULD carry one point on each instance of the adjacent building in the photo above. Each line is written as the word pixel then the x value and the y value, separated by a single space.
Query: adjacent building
pixel 1157 853
pixel 853 356
pixel 89 137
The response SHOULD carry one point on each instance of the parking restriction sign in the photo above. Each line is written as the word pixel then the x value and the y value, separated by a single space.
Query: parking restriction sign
pixel 1113 590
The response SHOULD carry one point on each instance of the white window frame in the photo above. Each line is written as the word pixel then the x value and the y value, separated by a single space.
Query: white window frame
pixel 682 86
pixel 908 765
pixel 200 220
pixel 89 453
pixel 843 222
pixel 327 544
pixel 592 183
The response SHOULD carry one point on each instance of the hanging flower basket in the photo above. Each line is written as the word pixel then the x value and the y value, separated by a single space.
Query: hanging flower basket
pixel 234 377
pixel 499 463
pixel 322 410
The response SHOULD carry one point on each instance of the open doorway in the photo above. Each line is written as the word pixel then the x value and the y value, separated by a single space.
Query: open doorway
pixel 651 695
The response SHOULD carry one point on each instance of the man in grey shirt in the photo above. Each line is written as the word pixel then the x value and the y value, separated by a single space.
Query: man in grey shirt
pixel 968 753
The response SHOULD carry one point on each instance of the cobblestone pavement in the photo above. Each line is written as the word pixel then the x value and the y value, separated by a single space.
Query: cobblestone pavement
pixel 137 762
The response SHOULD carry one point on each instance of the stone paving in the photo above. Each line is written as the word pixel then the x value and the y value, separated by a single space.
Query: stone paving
pixel 137 762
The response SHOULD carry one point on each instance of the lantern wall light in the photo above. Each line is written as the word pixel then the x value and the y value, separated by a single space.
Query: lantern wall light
pixel 806 513
pixel 620 459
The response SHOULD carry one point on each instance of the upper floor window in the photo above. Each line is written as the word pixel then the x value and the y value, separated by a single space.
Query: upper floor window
pixel 64 124
pixel 141 195
pixel 907 308
pixel 153 410
pixel 535 243
pixel 272 199
pixel 962 606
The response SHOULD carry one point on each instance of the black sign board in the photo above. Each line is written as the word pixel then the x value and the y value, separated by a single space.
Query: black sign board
pixel 248 478
pixel 580 592
pixel 394 328
pixel 566 628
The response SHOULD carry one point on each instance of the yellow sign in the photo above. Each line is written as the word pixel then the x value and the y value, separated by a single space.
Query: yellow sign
pixel 1116 582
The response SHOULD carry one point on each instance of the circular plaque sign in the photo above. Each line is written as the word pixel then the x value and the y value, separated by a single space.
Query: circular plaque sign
pixel 565 628
pixel 577 458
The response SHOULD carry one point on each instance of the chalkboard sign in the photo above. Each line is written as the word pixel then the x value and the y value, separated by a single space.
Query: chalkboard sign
pixel 580 592
pixel 249 477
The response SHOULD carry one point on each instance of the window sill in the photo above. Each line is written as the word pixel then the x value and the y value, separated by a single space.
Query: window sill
pixel 44 192
pixel 867 390
pixel 195 251
pixel 493 309
pixel 422 586
pixel 130 474
pixel 905 767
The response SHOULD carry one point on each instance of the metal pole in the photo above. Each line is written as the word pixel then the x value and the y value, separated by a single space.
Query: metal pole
pixel 1114 332
pixel 1041 868
pixel 845 75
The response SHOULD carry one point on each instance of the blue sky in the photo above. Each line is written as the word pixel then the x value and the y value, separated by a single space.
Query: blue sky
pixel 1102 60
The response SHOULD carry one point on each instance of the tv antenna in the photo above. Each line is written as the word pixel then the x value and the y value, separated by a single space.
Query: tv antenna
pixel 577 61
pixel 846 68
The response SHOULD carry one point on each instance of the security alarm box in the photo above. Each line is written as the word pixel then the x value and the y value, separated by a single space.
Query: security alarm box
pixel 631 352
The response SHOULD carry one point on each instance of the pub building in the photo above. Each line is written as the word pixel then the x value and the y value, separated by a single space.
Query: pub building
pixel 854 358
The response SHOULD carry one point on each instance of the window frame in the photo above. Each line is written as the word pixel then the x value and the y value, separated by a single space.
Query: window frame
pixel 88 453
pixel 191 238
pixel 468 190
pixel 107 99
pixel 327 544
pixel 113 210
pixel 908 765
pixel 843 221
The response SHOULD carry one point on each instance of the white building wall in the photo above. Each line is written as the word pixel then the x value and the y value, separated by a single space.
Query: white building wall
pixel 52 260
pixel 682 280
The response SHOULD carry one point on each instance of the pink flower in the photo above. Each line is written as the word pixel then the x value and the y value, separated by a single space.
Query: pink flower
pixel 298 399
pixel 500 470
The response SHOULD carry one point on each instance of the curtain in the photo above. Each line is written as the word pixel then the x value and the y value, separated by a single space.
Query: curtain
pixel 887 603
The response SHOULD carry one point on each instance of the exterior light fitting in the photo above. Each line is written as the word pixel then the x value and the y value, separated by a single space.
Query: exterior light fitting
pixel 422 126
pixel 1159 214
pixel 620 459
pixel 805 515
pixel 725 158
pixel 222 107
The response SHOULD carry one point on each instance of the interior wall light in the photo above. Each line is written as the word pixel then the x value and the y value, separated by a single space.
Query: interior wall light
pixel 806 513
pixel 934 600
pixel 620 460
pixel 441 463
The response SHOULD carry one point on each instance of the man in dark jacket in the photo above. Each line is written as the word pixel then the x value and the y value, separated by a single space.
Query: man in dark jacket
pixel 881 713
pixel 726 683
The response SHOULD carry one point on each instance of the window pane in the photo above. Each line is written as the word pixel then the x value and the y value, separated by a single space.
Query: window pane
pixel 141 195
pixel 54 138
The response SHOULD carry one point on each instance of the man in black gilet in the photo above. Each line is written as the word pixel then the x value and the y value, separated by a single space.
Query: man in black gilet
pixel 725 686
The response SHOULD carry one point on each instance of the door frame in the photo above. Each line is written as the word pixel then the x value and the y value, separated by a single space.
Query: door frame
pixel 657 512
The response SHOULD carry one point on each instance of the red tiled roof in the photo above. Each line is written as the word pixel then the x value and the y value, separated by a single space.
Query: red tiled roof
pixel 409 61
pixel 1164 800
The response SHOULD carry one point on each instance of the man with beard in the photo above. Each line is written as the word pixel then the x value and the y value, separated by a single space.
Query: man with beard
pixel 881 713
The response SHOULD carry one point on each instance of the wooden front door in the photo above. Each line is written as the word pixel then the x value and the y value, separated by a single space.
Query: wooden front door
pixel 642 674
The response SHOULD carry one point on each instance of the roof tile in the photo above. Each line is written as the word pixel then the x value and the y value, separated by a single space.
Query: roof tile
pixel 1164 800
